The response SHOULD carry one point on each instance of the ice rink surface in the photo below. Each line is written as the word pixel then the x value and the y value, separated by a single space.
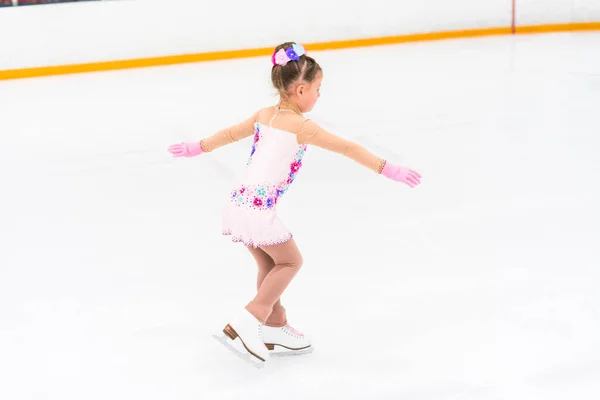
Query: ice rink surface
pixel 480 284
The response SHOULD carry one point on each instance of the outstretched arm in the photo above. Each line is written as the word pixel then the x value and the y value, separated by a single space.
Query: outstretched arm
pixel 311 133
pixel 229 135
pixel 213 142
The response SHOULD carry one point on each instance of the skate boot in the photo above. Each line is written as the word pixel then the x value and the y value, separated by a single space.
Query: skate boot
pixel 243 335
pixel 289 340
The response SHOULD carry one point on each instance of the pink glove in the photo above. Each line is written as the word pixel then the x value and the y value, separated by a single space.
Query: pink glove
pixel 186 149
pixel 401 174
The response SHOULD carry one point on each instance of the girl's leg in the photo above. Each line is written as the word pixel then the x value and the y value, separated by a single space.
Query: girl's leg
pixel 287 261
pixel 265 264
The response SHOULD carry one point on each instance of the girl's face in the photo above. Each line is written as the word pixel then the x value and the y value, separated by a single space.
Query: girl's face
pixel 309 93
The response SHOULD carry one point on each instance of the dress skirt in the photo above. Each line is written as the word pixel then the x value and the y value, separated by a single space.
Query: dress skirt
pixel 252 226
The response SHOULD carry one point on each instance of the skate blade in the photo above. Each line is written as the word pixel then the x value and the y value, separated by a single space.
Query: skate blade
pixel 283 352
pixel 239 351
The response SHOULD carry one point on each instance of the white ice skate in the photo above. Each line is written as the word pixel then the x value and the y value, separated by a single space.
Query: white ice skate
pixel 243 335
pixel 289 341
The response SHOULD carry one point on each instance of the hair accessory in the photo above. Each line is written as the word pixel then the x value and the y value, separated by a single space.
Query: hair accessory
pixel 293 53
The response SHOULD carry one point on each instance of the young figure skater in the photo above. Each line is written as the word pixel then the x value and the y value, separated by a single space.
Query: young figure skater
pixel 281 136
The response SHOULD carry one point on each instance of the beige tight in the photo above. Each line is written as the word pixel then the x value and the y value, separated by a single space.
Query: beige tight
pixel 277 266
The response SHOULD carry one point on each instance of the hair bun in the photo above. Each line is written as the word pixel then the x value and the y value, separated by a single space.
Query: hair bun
pixel 285 55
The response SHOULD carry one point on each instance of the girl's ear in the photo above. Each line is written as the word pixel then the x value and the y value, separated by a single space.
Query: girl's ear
pixel 300 90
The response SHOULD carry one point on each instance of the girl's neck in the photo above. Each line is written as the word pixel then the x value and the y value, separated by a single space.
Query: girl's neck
pixel 288 106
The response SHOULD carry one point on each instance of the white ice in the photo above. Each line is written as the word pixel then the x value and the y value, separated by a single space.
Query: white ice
pixel 482 283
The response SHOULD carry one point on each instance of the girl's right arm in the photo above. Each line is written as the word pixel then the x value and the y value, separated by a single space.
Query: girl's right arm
pixel 221 138
pixel 229 135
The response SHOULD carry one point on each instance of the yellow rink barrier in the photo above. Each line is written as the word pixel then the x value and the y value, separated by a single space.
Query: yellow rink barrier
pixel 35 72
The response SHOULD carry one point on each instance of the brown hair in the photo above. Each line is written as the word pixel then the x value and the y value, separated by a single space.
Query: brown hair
pixel 305 69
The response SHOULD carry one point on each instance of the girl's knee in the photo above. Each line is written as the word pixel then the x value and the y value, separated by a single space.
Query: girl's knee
pixel 299 261
pixel 294 263
pixel 286 255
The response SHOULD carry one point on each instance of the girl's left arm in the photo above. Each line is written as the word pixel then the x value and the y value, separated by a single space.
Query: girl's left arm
pixel 311 133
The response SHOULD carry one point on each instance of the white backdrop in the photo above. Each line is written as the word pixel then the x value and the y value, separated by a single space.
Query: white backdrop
pixel 102 31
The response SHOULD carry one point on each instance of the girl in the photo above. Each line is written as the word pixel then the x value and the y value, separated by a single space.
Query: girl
pixel 281 136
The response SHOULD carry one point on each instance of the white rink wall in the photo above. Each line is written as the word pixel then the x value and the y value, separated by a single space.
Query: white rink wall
pixel 535 12
pixel 71 33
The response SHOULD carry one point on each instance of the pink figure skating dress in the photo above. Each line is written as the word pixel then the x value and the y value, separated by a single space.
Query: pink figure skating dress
pixel 275 159
pixel 280 142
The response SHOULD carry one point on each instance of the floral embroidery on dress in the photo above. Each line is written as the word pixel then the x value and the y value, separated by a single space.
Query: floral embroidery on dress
pixel 296 166
pixel 257 196
pixel 265 197
pixel 257 136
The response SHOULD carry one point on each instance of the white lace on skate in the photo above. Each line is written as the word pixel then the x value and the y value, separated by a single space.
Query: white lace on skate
pixel 293 332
